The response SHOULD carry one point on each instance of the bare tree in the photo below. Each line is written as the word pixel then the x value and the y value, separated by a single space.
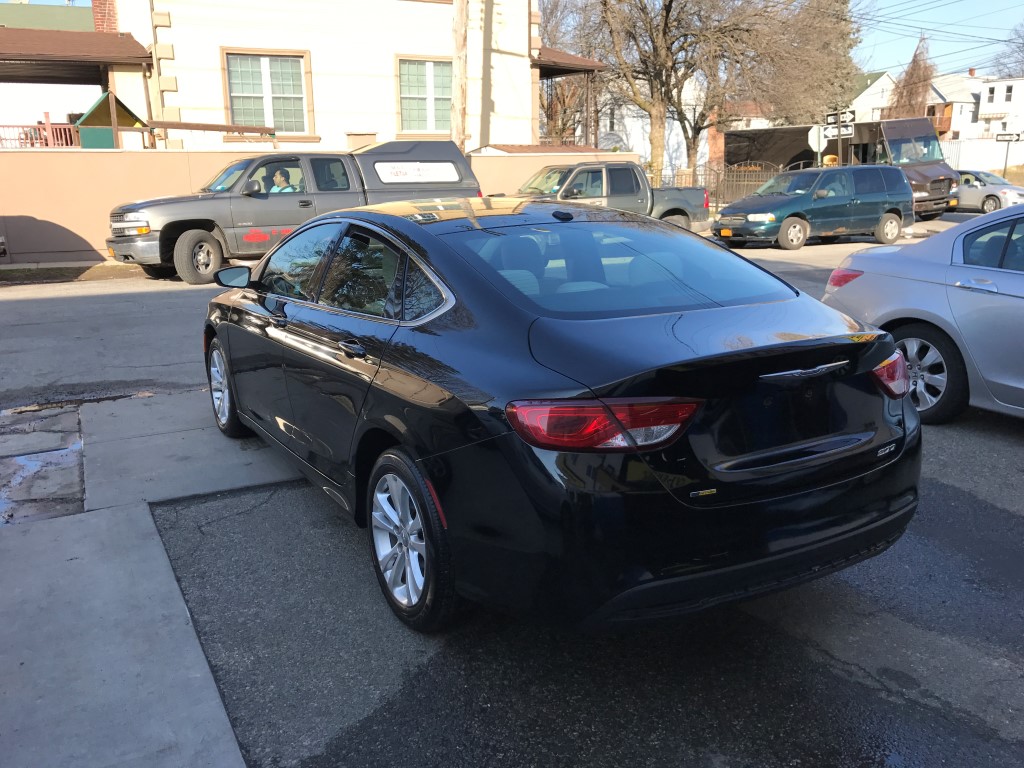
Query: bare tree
pixel 567 25
pixel 1011 58
pixel 910 96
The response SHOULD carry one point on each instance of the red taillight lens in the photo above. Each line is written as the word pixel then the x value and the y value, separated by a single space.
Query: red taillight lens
pixel 479 193
pixel 592 425
pixel 892 375
pixel 841 277
pixel 707 199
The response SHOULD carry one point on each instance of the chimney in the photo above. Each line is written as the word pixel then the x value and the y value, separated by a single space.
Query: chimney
pixel 970 72
pixel 104 15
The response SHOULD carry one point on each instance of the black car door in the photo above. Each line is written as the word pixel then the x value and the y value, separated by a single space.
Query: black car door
pixel 261 331
pixel 337 346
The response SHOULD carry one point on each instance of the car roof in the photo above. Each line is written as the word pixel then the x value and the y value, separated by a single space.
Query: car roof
pixel 444 216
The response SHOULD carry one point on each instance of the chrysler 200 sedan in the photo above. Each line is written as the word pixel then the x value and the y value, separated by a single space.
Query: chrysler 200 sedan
pixel 574 412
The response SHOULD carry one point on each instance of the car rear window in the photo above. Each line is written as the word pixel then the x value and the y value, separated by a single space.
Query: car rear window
pixel 894 179
pixel 606 269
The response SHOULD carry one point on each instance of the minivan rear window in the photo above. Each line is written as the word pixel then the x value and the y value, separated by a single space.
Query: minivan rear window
pixel 595 269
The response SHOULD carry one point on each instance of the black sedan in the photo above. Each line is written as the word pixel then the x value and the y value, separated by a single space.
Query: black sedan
pixel 563 410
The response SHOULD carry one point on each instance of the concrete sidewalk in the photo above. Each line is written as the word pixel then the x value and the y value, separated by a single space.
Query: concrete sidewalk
pixel 101 664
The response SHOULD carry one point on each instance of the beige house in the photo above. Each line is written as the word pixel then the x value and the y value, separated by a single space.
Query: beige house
pixel 329 74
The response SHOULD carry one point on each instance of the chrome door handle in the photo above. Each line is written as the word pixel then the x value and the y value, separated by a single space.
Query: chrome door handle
pixel 305 203
pixel 280 322
pixel 352 348
pixel 973 285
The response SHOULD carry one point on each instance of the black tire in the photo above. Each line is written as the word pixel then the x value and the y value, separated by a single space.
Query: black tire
pixel 793 233
pixel 680 220
pixel 920 343
pixel 736 242
pixel 157 272
pixel 930 215
pixel 828 239
pixel 225 409
pixel 888 229
pixel 417 544
pixel 990 204
pixel 197 256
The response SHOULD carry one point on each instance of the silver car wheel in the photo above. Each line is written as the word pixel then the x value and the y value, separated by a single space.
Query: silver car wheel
pixel 203 257
pixel 219 389
pixel 989 204
pixel 891 230
pixel 398 540
pixel 927 370
pixel 795 234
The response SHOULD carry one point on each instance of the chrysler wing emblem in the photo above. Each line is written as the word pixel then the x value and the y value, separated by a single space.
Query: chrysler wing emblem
pixel 804 373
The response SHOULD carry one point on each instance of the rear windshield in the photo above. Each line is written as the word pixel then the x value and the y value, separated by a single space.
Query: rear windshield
pixel 607 269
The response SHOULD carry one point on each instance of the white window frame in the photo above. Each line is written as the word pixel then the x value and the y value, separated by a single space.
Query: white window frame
pixel 431 112
pixel 268 95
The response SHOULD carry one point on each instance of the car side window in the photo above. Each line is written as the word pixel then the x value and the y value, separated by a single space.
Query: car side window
pixel 895 180
pixel 988 247
pixel 420 295
pixel 836 184
pixel 362 276
pixel 330 174
pixel 868 181
pixel 589 183
pixel 622 181
pixel 293 266
pixel 279 177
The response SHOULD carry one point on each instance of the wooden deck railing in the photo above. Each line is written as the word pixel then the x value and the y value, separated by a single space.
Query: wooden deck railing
pixel 23 136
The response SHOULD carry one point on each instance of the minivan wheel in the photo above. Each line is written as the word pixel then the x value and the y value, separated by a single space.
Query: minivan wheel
pixel 409 546
pixel 197 256
pixel 938 377
pixel 222 392
pixel 888 229
pixel 989 204
pixel 793 233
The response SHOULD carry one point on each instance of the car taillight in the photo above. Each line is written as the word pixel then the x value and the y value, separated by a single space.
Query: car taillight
pixel 707 199
pixel 892 375
pixel 614 424
pixel 841 277
pixel 479 193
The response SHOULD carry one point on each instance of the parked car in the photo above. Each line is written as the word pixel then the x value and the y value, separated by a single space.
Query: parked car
pixel 955 305
pixel 249 206
pixel 986 192
pixel 623 186
pixel 585 414
pixel 821 202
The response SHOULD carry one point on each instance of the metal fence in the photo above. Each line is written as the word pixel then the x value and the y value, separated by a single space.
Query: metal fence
pixel 725 184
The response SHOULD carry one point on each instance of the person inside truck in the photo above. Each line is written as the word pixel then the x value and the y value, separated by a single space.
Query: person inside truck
pixel 282 181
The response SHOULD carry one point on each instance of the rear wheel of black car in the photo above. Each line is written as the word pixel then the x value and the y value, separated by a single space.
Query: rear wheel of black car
pixel 157 272
pixel 197 256
pixel 989 204
pixel 409 546
pixel 222 392
pixel 938 376
pixel 888 229
pixel 680 220
pixel 793 234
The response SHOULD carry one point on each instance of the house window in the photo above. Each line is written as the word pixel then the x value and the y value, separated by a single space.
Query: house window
pixel 425 89
pixel 267 90
pixel 1009 92
pixel 991 94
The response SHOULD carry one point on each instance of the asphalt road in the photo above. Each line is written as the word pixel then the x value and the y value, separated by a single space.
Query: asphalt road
pixel 915 658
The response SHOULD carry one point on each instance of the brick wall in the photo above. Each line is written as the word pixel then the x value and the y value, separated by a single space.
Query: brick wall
pixel 104 15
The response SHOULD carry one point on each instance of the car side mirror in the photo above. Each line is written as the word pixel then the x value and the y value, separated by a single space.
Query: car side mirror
pixel 574 192
pixel 252 187
pixel 820 193
pixel 233 277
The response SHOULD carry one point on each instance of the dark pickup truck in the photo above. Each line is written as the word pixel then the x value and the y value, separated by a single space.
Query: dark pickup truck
pixel 251 204
pixel 620 185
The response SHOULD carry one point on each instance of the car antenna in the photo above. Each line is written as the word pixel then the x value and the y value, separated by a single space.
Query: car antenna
pixel 562 215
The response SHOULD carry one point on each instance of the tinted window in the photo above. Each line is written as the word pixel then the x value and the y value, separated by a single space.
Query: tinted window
pixel 894 180
pixel 421 295
pixel 587 184
pixel 867 181
pixel 291 269
pixel 987 247
pixel 361 276
pixel 330 174
pixel 606 269
pixel 622 181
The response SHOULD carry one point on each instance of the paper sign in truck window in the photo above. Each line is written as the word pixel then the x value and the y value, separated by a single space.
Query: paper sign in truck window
pixel 415 173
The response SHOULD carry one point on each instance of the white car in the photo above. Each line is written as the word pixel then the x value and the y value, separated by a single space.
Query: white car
pixel 955 305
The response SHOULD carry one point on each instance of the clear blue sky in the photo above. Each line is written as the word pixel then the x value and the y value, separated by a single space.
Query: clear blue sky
pixel 961 33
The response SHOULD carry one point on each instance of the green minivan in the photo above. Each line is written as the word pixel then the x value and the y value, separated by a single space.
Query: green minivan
pixel 821 202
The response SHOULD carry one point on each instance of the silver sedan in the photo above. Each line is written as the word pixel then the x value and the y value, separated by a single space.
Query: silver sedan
pixel 955 305
pixel 984 191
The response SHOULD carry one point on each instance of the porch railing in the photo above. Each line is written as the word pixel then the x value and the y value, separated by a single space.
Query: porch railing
pixel 26 136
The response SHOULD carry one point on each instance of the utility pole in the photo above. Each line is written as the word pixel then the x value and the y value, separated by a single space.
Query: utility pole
pixel 459 31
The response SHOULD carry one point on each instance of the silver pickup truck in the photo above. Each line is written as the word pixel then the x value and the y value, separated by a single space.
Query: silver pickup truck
pixel 620 185
pixel 249 206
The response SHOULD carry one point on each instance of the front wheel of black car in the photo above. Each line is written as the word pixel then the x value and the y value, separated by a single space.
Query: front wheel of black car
pixel 793 234
pixel 888 229
pixel 222 392
pixel 197 256
pixel 938 377
pixel 409 546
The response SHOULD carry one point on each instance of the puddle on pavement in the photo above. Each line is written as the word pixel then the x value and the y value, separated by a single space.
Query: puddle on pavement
pixel 40 464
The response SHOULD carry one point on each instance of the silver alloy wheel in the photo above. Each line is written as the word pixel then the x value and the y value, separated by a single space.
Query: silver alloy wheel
pixel 989 204
pixel 219 389
pixel 795 234
pixel 203 257
pixel 398 540
pixel 927 370
pixel 891 229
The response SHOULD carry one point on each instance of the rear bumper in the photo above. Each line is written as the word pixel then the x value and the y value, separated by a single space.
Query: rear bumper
pixel 144 249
